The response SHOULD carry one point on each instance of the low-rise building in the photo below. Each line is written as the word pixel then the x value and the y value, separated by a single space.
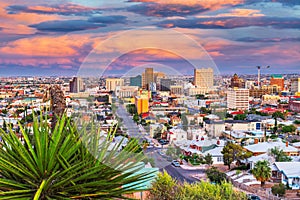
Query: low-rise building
pixel 287 173
pixel 264 147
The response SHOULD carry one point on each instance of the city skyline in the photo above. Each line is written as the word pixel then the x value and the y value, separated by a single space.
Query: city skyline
pixel 54 38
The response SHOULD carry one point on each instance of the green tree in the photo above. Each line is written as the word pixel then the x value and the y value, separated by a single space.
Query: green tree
pixel 131 109
pixel 240 117
pixel 4 111
pixel 297 122
pixel 278 189
pixel 262 171
pixel 215 175
pixel 208 159
pixel 64 163
pixel 136 118
pixel 275 116
pixel 164 188
pixel 234 152
pixel 279 155
pixel 204 190
pixel 288 129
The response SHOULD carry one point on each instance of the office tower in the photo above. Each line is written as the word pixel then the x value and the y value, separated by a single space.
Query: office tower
pixel 112 83
pixel 165 84
pixel 238 98
pixel 76 85
pixel 136 81
pixel 142 104
pixel 237 82
pixel 277 80
pixel 204 77
pixel 295 86
pixel 148 77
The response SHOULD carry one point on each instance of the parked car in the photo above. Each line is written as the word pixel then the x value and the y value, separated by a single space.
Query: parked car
pixel 252 197
pixel 175 163
pixel 163 142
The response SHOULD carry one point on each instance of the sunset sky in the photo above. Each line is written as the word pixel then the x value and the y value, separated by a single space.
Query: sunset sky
pixel 60 37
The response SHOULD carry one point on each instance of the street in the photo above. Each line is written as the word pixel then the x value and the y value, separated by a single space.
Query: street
pixel 133 130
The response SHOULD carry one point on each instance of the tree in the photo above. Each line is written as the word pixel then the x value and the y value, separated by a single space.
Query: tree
pixel 297 122
pixel 208 159
pixel 262 171
pixel 65 163
pixel 164 187
pixel 288 129
pixel 215 175
pixel 204 190
pixel 136 118
pixel 234 152
pixel 278 189
pixel 240 117
pixel 279 155
pixel 275 116
pixel 131 109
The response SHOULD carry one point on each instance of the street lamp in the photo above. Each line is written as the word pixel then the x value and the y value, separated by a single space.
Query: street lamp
pixel 258 75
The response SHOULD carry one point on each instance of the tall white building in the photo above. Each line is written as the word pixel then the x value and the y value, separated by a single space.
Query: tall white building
pixel 204 77
pixel 112 83
pixel 295 85
pixel 238 98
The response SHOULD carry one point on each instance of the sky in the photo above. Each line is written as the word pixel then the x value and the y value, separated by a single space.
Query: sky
pixel 67 38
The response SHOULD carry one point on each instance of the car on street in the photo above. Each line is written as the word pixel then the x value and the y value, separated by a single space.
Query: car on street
pixel 252 197
pixel 163 142
pixel 175 163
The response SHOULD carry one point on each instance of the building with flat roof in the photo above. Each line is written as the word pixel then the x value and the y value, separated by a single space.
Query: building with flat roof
pixel 277 80
pixel 112 83
pixel 295 85
pixel 76 85
pixel 238 98
pixel 204 77
pixel 135 81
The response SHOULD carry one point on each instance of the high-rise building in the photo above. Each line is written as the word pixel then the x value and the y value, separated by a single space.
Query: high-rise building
pixel 136 81
pixel 295 85
pixel 142 104
pixel 237 82
pixel 112 83
pixel 77 85
pixel 277 80
pixel 148 77
pixel 204 77
pixel 238 98
pixel 165 84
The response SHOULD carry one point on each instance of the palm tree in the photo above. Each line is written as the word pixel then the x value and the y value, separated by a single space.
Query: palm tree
pixel 262 171
pixel 66 164
pixel 276 115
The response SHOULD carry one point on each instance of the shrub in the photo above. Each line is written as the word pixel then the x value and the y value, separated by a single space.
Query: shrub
pixel 278 189
pixel 215 175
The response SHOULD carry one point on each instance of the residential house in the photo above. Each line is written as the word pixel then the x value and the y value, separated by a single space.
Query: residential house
pixel 177 134
pixel 287 173
pixel 264 147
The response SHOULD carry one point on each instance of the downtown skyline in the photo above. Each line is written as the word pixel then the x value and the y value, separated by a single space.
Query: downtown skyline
pixel 54 38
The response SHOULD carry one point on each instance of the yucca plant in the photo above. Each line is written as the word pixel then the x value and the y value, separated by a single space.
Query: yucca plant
pixel 65 163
